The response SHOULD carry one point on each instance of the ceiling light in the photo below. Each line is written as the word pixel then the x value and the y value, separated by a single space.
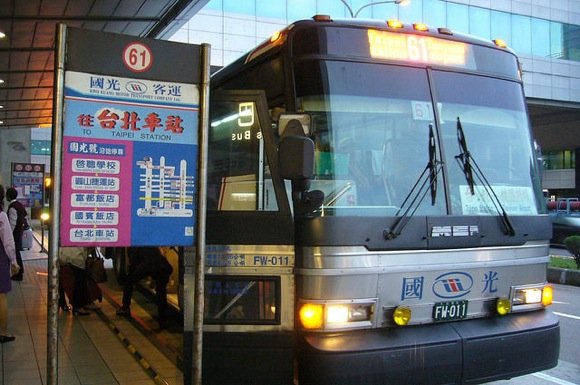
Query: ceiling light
pixel 2 35
pixel 1 81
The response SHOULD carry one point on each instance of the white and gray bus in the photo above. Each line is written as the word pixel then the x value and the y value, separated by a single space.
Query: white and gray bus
pixel 375 213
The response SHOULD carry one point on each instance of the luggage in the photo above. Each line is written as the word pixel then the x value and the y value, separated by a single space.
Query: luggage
pixel 27 238
pixel 67 281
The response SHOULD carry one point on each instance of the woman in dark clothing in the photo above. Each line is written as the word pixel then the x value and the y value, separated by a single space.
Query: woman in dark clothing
pixel 17 216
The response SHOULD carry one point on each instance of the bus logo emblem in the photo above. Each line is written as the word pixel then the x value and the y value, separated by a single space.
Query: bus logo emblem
pixel 136 87
pixel 452 285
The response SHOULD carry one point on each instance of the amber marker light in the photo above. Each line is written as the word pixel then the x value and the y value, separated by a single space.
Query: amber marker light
pixel 547 295
pixel 402 315
pixel 420 27
pixel 500 43
pixel 394 23
pixel 275 36
pixel 311 315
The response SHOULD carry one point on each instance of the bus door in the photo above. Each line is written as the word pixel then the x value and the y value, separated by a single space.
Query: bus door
pixel 249 281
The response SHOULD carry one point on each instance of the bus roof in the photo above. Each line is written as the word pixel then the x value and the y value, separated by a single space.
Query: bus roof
pixel 387 28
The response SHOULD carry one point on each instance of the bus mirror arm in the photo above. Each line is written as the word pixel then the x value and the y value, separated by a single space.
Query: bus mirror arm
pixel 308 201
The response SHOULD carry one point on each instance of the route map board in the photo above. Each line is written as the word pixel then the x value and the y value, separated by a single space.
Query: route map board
pixel 129 148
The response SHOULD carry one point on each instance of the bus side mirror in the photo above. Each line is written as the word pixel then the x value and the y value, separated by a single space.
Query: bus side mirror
pixel 296 154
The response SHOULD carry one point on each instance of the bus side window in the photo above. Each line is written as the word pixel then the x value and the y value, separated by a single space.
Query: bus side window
pixel 238 176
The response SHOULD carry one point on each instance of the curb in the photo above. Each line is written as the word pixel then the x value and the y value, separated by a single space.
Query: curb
pixel 145 365
pixel 564 276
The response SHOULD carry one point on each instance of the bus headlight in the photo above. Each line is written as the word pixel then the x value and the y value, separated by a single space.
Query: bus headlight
pixel 531 297
pixel 336 315
pixel 354 312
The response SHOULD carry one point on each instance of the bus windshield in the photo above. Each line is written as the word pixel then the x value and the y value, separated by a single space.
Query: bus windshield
pixel 371 126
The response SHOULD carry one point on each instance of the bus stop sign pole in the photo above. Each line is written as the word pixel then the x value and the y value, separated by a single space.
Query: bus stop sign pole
pixel 201 216
pixel 54 226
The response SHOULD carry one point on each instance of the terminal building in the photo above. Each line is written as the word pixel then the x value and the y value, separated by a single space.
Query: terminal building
pixel 544 34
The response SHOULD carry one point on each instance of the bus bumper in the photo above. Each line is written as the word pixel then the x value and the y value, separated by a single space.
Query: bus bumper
pixel 466 352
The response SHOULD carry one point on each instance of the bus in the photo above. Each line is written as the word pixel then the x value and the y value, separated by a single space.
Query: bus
pixel 374 212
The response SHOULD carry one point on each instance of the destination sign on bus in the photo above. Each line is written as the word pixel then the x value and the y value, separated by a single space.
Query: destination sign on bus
pixel 417 48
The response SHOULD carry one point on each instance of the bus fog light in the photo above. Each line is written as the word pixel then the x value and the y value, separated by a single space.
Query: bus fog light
pixel 503 306
pixel 402 315
pixel 311 315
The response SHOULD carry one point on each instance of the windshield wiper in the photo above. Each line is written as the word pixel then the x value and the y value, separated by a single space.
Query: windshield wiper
pixel 464 158
pixel 419 190
pixel 470 167
pixel 434 165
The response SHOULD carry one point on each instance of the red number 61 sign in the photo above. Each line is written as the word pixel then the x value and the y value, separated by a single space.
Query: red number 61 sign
pixel 137 57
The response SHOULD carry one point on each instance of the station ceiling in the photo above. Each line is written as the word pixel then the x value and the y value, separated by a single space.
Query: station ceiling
pixel 27 51
pixel 27 57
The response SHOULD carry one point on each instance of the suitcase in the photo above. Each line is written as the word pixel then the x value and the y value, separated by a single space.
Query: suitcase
pixel 67 282
pixel 27 238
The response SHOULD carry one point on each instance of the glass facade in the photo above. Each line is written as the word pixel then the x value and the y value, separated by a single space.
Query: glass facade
pixel 550 38
pixel 559 160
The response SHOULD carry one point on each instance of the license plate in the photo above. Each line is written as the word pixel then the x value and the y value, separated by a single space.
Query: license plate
pixel 449 311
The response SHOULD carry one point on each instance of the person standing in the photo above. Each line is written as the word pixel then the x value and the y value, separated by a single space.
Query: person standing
pixel 17 216
pixel 7 266
pixel 73 278
pixel 147 262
